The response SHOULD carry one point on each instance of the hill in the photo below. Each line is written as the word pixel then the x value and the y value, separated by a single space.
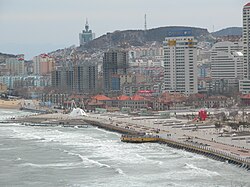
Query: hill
pixel 141 37
pixel 4 56
pixel 235 31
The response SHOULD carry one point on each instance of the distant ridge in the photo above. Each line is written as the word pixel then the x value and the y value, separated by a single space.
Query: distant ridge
pixel 4 56
pixel 141 37
pixel 230 31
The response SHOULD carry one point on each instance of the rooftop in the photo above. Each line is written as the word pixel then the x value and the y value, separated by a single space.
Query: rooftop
pixel 248 4
pixel 101 97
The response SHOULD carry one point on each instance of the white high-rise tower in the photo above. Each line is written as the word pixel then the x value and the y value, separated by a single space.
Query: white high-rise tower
pixel 244 85
pixel 180 65
pixel 246 38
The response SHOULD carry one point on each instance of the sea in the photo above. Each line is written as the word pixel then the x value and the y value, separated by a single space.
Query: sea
pixel 79 157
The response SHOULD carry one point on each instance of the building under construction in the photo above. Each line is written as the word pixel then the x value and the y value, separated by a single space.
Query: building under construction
pixel 77 78
pixel 115 63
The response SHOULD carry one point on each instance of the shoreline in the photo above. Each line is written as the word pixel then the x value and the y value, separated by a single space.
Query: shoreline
pixel 188 140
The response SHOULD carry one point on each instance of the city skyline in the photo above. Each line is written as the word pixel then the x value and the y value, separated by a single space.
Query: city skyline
pixel 34 27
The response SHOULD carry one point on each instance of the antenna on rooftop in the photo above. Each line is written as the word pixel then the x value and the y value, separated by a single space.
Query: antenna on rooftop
pixel 145 22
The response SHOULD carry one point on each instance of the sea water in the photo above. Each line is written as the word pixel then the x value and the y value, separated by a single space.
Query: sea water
pixel 58 156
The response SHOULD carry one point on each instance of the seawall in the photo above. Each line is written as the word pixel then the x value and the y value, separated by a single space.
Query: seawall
pixel 176 139
pixel 207 151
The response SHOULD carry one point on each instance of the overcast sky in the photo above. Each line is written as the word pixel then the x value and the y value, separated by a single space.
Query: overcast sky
pixel 32 27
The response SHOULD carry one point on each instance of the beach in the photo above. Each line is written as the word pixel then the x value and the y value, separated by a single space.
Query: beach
pixel 10 104
pixel 202 136
pixel 49 154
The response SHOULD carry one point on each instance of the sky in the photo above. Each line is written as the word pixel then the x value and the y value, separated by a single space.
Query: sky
pixel 32 27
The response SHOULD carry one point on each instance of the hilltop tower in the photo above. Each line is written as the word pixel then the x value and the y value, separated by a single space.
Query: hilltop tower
pixel 145 22
pixel 86 35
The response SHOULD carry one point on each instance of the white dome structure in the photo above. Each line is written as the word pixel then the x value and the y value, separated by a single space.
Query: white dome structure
pixel 77 112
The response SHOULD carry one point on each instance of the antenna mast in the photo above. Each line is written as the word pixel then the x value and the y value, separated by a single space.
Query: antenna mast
pixel 145 22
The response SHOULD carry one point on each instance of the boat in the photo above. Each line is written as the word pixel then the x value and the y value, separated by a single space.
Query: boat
pixel 139 139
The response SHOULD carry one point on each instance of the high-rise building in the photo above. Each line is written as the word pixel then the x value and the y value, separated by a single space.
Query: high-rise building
pixel 78 78
pixel 86 76
pixel 86 35
pixel 227 61
pixel 15 65
pixel 180 64
pixel 43 64
pixel 244 85
pixel 115 63
pixel 246 38
pixel 56 78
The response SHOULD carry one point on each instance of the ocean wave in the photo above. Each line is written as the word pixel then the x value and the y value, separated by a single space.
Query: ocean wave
pixel 119 171
pixel 7 148
pixel 187 155
pixel 87 161
pixel 108 132
pixel 53 165
pixel 200 171
pixel 18 158
pixel 146 159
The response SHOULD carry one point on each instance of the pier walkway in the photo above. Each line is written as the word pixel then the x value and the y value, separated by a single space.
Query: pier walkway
pixel 189 140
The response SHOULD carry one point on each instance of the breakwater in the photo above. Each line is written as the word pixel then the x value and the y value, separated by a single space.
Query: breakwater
pixel 209 152
pixel 111 127
pixel 173 138
pixel 205 150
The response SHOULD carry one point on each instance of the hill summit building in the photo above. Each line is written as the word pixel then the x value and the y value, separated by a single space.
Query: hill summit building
pixel 86 35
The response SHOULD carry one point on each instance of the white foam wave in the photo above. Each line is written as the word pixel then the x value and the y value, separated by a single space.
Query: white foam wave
pixel 7 148
pixel 146 159
pixel 53 165
pixel 186 154
pixel 108 132
pixel 18 158
pixel 118 170
pixel 87 161
pixel 200 171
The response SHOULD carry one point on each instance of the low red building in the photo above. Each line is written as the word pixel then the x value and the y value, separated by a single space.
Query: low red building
pixel 245 100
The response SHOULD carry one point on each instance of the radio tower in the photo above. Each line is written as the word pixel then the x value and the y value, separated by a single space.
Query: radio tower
pixel 145 22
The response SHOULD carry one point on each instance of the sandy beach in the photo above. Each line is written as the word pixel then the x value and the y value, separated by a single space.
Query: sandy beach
pixel 10 104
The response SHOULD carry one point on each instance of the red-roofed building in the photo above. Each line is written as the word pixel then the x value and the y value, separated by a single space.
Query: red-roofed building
pixel 135 102
pixel 146 93
pixel 196 100
pixel 217 102
pixel 160 104
pixel 43 64
pixel 168 100
pixel 137 98
pixel 123 98
pixel 119 101
pixel 245 100
pixel 93 104
pixel 16 65
pixel 103 98
pixel 248 4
